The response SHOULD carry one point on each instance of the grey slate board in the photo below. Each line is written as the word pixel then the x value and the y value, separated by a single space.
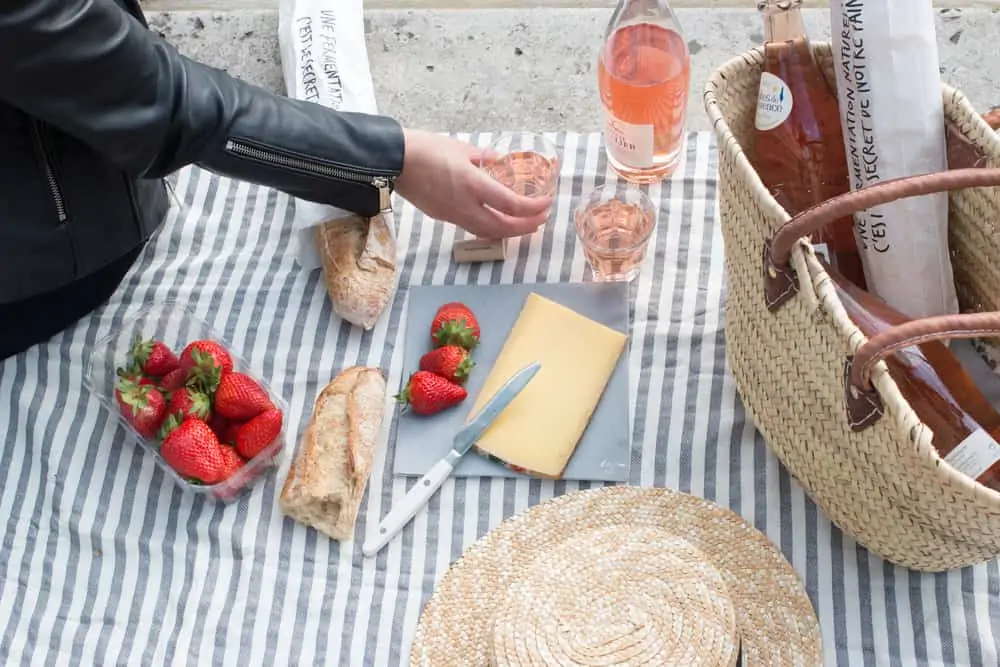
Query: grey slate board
pixel 603 453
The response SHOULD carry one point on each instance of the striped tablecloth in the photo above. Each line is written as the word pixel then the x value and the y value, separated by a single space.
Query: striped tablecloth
pixel 105 562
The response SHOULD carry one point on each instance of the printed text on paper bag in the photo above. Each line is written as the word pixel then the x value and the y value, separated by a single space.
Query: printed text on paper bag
pixel 328 54
pixel 862 146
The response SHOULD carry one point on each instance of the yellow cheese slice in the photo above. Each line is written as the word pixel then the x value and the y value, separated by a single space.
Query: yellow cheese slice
pixel 539 431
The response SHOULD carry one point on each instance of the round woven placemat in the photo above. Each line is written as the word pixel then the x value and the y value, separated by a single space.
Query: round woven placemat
pixel 647 598
pixel 623 576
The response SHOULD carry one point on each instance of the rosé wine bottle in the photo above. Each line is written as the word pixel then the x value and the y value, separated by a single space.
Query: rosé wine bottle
pixel 798 147
pixel 643 73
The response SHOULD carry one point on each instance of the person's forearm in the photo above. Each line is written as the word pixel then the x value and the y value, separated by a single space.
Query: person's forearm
pixel 95 72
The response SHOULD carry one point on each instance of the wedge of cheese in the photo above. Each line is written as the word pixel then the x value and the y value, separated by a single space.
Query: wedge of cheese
pixel 539 431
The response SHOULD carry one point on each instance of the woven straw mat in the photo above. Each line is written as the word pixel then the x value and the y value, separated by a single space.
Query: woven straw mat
pixel 885 486
pixel 622 576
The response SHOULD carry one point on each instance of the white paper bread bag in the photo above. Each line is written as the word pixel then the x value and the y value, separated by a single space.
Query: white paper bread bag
pixel 324 59
pixel 314 38
pixel 889 85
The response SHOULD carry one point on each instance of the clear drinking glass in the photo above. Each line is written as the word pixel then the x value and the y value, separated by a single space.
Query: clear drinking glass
pixel 526 163
pixel 614 223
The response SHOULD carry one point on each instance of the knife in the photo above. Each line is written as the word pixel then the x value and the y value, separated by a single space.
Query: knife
pixel 421 492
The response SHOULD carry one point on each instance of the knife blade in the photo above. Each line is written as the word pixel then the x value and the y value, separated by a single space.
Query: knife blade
pixel 427 485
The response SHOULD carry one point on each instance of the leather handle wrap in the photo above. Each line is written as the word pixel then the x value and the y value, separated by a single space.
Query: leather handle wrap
pixel 862 402
pixel 992 118
pixel 813 219
pixel 914 332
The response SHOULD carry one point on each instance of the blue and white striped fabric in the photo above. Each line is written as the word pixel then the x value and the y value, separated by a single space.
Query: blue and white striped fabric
pixel 105 562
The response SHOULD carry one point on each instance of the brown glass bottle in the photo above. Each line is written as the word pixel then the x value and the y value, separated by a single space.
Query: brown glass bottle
pixel 930 377
pixel 798 145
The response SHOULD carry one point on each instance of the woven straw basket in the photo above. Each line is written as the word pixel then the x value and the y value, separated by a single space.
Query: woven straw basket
pixel 801 366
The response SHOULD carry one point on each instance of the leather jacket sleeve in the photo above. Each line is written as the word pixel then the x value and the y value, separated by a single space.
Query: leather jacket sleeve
pixel 94 71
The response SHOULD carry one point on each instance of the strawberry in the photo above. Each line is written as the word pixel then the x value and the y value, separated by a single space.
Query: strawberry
pixel 206 362
pixel 255 435
pixel 142 405
pixel 426 393
pixel 188 402
pixel 190 448
pixel 174 380
pixel 231 461
pixel 449 361
pixel 153 357
pixel 240 397
pixel 455 324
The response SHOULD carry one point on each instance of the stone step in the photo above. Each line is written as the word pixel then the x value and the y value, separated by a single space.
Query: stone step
pixel 497 69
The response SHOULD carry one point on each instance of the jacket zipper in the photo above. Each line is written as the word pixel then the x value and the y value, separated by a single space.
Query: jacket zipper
pixel 281 159
pixel 55 192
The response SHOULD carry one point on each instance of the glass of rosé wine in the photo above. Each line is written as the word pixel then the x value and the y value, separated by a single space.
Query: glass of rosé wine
pixel 614 224
pixel 526 163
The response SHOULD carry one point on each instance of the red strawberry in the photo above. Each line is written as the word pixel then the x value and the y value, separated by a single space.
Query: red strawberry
pixel 455 324
pixel 153 357
pixel 450 362
pixel 174 380
pixel 193 451
pixel 231 462
pixel 240 397
pixel 188 402
pixel 255 435
pixel 142 405
pixel 206 362
pixel 426 393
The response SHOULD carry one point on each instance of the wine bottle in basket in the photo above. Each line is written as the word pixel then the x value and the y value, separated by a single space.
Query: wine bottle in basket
pixel 798 149
pixel 933 381
pixel 643 74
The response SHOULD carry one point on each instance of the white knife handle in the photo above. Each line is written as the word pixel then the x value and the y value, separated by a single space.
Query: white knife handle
pixel 401 514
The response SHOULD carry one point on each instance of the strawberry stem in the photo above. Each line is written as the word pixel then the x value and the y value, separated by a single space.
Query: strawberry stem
pixel 171 422
pixel 464 368
pixel 403 397
pixel 456 332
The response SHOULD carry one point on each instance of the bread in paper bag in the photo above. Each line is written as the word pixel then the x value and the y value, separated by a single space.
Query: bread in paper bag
pixel 358 258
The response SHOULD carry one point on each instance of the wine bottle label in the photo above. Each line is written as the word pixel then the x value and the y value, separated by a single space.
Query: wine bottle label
pixel 629 144
pixel 774 102
pixel 975 455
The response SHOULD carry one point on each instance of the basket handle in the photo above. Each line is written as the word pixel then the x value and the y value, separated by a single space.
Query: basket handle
pixel 864 406
pixel 781 283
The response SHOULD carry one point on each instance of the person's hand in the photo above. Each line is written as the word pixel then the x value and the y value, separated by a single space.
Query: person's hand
pixel 442 178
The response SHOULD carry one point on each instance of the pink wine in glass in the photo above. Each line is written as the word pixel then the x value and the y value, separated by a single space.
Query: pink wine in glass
pixel 614 228
pixel 526 173
pixel 643 74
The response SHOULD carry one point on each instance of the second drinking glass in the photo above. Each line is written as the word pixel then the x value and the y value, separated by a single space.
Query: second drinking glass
pixel 614 224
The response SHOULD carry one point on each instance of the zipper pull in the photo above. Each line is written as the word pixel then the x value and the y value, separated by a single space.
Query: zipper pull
pixel 384 193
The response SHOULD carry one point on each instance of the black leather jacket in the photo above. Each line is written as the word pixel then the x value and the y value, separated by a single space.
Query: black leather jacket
pixel 95 109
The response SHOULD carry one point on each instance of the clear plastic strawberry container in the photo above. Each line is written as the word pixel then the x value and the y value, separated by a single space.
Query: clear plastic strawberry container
pixel 176 326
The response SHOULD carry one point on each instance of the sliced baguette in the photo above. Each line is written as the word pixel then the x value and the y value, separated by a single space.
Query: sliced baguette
pixel 327 479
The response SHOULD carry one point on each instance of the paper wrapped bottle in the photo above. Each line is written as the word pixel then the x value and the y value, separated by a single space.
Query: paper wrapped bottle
pixel 892 114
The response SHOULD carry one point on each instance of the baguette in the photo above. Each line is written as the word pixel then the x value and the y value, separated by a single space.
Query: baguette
pixel 359 266
pixel 327 479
